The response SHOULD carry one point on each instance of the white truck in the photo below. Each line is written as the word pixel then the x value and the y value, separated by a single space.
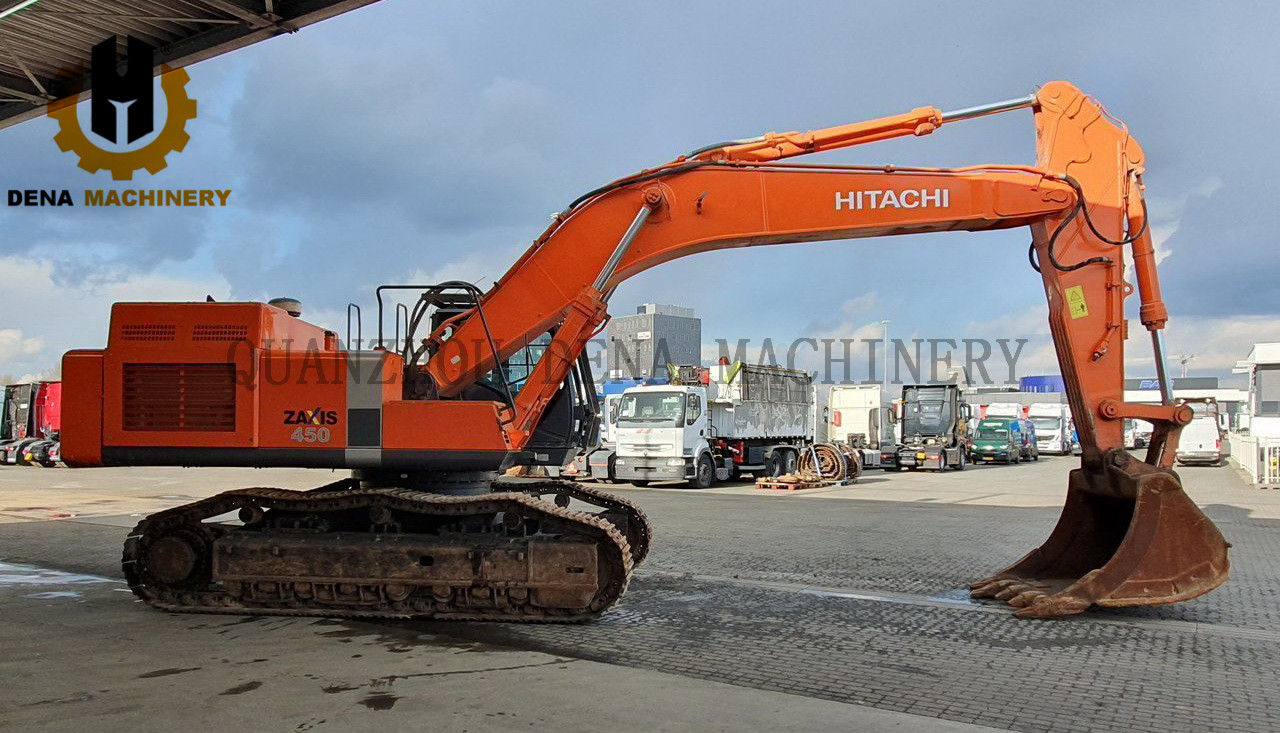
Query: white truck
pixel 862 416
pixel 1053 427
pixel 712 424
pixel 1005 409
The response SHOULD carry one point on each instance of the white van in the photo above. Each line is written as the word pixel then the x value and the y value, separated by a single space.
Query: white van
pixel 1201 440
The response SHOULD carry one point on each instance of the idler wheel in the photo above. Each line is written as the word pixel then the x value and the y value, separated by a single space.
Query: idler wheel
pixel 172 559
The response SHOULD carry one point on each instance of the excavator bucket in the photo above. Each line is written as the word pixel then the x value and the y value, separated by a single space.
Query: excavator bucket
pixel 1128 536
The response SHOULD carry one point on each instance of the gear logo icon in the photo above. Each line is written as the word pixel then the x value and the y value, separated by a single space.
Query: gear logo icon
pixel 173 136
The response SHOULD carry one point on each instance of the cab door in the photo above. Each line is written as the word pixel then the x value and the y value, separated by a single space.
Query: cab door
pixel 696 422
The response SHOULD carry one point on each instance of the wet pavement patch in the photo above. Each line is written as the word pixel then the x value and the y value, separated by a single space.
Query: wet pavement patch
pixel 379 700
pixel 166 672
pixel 241 689
pixel 15 574
pixel 53 594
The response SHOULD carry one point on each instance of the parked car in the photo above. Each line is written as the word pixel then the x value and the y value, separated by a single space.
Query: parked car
pixel 998 440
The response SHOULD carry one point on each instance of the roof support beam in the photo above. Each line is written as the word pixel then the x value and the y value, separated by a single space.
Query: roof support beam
pixel 250 18
pixel 50 40
pixel 12 86
pixel 70 14
pixel 23 67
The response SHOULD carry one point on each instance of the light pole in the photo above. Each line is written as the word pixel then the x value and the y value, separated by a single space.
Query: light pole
pixel 885 380
pixel 1185 359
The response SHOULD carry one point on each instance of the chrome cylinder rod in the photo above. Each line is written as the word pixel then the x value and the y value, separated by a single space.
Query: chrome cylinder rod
pixel 982 110
pixel 1162 371
pixel 622 247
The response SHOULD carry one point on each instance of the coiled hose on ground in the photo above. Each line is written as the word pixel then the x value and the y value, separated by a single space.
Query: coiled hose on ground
pixel 835 462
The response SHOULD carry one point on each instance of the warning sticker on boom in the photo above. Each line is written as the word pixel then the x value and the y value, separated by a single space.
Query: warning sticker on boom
pixel 1075 302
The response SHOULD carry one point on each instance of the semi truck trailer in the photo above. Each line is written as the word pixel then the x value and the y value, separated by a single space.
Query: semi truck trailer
pixel 862 416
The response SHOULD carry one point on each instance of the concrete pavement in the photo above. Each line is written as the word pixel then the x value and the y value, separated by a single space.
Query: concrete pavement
pixel 792 611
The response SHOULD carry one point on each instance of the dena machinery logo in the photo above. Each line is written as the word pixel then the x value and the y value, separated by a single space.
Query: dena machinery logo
pixel 122 137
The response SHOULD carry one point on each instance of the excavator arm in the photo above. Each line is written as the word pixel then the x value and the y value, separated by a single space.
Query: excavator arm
pixel 1128 535
pixel 1080 198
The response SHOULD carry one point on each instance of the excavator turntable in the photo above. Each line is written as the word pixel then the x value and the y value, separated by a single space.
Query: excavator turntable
pixel 427 525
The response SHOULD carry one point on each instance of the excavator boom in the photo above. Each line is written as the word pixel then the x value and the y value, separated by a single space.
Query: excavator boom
pixel 444 413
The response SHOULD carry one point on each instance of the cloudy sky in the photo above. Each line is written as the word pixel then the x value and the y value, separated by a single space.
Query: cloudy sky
pixel 412 141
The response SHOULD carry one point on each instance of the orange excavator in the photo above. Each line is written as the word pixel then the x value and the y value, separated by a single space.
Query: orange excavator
pixel 489 380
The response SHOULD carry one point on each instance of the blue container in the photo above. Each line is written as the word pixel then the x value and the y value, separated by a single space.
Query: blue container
pixel 1047 383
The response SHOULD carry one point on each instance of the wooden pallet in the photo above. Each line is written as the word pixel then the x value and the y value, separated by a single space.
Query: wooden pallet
pixel 769 484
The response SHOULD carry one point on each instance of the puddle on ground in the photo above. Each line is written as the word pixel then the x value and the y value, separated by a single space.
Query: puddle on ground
pixel 53 594
pixel 44 512
pixel 958 596
pixel 166 672
pixel 379 700
pixel 242 688
pixel 14 574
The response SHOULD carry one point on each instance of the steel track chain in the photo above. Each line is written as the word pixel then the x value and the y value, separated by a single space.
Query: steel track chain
pixel 639 530
pixel 614 551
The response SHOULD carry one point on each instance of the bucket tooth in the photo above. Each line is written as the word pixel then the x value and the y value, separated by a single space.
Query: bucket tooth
pixel 988 588
pixel 1127 536
pixel 1026 598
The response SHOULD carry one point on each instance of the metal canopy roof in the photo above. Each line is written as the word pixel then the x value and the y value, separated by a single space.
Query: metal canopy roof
pixel 45 44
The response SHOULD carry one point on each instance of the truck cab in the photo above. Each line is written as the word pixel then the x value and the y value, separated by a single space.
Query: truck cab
pixel 1052 421
pixel 934 425
pixel 660 434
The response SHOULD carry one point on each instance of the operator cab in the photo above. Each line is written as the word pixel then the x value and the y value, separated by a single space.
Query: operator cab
pixel 570 422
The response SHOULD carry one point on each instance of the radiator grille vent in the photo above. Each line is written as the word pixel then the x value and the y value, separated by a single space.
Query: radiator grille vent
pixel 147 332
pixel 219 332
pixel 180 397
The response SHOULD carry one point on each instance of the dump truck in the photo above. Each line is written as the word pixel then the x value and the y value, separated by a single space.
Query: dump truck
pixel 713 424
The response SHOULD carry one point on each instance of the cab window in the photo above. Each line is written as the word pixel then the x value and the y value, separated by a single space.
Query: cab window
pixel 693 408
